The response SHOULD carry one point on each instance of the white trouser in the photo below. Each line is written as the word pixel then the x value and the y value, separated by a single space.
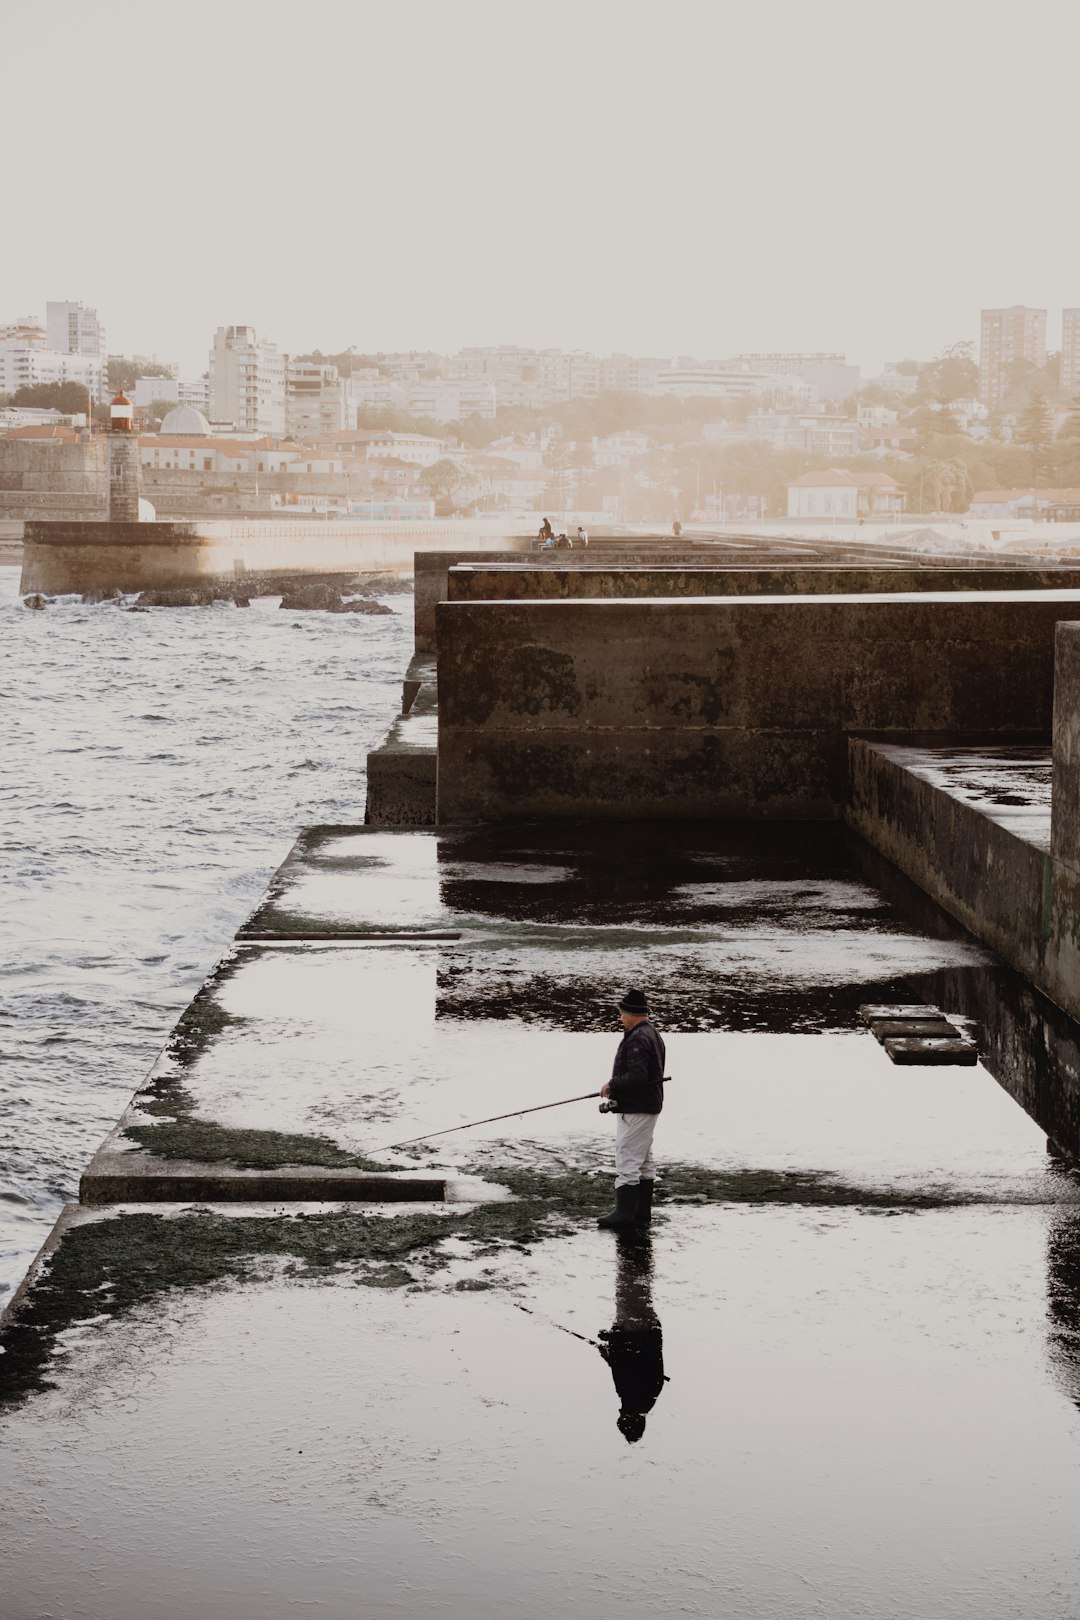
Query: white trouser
pixel 633 1149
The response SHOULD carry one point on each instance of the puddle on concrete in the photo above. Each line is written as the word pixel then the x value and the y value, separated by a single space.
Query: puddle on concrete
pixel 1011 786
pixel 444 1452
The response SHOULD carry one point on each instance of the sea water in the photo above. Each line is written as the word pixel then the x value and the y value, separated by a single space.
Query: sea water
pixel 155 768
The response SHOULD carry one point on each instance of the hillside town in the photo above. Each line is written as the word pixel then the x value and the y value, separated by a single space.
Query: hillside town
pixel 989 429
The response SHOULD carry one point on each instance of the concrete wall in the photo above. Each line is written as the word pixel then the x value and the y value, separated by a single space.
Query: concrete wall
pixel 728 707
pixel 432 568
pixel 54 466
pixel 60 557
pixel 1015 897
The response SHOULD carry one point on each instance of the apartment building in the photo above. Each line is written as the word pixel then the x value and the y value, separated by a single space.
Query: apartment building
pixel 247 381
pixel 74 329
pixel 1070 351
pixel 814 431
pixel 1006 336
pixel 26 359
pixel 315 405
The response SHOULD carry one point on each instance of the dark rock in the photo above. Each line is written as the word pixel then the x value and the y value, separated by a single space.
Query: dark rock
pixel 173 598
pixel 312 599
pixel 363 604
pixel 36 602
pixel 242 601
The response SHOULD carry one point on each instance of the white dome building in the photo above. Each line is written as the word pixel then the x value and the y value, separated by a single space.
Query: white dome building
pixel 187 420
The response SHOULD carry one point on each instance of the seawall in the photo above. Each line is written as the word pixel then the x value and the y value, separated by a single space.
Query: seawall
pixel 62 557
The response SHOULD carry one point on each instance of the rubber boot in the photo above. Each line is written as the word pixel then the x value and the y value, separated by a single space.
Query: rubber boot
pixel 644 1203
pixel 625 1209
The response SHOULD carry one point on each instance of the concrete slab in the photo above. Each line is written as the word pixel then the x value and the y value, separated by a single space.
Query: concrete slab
pixel 934 1051
pixel 346 1410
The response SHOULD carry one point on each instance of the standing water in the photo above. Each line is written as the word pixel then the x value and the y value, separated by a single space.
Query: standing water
pixel 154 769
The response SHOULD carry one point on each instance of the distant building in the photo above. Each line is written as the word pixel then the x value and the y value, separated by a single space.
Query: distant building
pixel 708 382
pixel 895 440
pixel 185 420
pixel 827 376
pixel 247 381
pixel 26 359
pixel 814 431
pixel 451 399
pixel 417 449
pixel 843 495
pixel 148 389
pixel 630 374
pixel 1062 505
pixel 314 400
pixel 74 329
pixel 876 416
pixel 618 449
pixel 1070 351
pixel 1006 336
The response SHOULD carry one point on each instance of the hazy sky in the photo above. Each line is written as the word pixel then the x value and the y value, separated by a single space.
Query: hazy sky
pixel 658 176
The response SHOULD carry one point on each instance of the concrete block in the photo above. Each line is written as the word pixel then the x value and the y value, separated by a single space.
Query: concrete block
pixel 918 1049
pixel 887 1029
pixel 872 1014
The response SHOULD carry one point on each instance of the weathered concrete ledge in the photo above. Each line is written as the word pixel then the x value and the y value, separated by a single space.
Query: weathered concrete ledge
pixel 1012 894
pixel 430 568
pixel 119 1175
pixel 497 581
pixel 402 773
pixel 722 707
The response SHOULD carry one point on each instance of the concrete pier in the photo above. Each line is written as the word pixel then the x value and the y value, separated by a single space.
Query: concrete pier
pixel 855 1321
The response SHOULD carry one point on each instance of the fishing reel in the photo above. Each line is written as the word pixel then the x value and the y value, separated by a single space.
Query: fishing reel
pixel 609 1106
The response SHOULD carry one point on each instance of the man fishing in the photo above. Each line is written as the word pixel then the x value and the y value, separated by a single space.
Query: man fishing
pixel 636 1090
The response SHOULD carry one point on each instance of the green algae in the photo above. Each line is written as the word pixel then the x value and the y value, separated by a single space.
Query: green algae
pixel 181 1134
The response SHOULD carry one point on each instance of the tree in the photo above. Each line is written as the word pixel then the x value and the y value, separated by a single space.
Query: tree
pixel 1070 428
pixel 69 397
pixel 125 370
pixel 952 375
pixel 441 479
pixel 1034 428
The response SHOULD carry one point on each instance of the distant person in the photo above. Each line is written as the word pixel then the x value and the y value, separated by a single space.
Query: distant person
pixel 636 1090
pixel 676 528
pixel 582 536
pixel 564 543
pixel 546 531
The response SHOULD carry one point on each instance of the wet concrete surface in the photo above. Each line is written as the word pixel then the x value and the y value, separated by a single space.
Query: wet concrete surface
pixel 1010 785
pixel 862 1284
pixel 867 1415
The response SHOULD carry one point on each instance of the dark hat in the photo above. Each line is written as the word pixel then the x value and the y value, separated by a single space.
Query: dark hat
pixel 634 1002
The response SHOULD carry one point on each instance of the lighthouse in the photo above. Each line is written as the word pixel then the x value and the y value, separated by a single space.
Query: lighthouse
pixel 123 462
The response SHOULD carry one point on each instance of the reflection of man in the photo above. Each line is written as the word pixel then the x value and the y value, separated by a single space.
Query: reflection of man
pixel 636 1088
pixel 634 1347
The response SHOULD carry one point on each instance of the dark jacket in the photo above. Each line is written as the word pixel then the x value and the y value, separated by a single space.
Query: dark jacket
pixel 637 1077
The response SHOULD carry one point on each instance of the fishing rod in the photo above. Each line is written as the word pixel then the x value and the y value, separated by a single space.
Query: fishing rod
pixel 608 1107
pixel 551 1322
